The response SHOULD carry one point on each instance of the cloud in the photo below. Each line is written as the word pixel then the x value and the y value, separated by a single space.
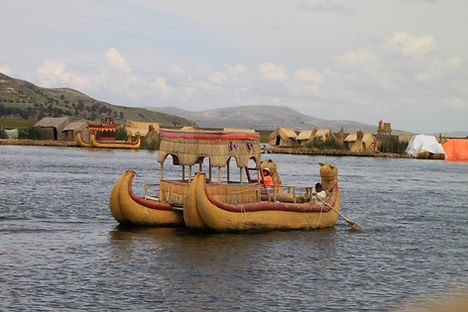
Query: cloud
pixel 236 70
pixel 116 61
pixel 217 78
pixel 456 103
pixel 52 74
pixel 357 58
pixel 439 67
pixel 332 6
pixel 308 76
pixel 409 45
pixel 163 89
pixel 272 72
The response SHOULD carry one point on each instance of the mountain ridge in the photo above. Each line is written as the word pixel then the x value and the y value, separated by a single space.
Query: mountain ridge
pixel 22 99
pixel 265 117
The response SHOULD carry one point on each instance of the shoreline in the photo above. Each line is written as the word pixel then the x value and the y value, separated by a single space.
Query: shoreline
pixel 268 150
pixel 330 152
pixel 38 142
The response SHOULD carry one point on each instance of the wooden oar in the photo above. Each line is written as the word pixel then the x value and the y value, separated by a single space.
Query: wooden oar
pixel 353 224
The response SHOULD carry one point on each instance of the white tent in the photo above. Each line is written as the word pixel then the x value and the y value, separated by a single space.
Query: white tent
pixel 423 143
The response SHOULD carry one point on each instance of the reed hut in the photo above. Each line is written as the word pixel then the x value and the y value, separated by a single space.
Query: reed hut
pixel 52 128
pixel 282 137
pixel 361 142
pixel 306 136
pixel 70 131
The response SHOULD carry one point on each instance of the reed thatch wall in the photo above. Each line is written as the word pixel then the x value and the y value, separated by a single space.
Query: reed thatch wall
pixel 190 148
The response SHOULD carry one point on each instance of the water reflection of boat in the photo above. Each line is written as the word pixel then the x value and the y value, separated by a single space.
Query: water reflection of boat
pixel 201 202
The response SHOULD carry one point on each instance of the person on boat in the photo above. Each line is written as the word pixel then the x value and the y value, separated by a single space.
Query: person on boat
pixel 266 180
pixel 319 194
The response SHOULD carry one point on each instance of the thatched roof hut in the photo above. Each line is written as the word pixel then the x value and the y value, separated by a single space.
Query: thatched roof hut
pixel 360 142
pixel 307 136
pixel 52 128
pixel 73 128
pixel 282 137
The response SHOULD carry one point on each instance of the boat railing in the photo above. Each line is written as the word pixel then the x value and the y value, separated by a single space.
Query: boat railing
pixel 237 195
pixel 296 191
pixel 152 197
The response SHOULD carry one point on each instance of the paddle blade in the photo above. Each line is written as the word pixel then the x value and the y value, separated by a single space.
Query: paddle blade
pixel 357 227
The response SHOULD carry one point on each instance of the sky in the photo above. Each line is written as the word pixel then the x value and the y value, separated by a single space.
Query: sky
pixel 400 61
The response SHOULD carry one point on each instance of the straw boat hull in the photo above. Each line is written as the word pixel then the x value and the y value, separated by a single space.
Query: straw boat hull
pixel 126 207
pixel 261 216
pixel 93 142
pixel 115 144
pixel 80 141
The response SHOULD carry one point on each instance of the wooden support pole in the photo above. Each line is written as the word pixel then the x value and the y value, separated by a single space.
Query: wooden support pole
pixel 240 174
pixel 161 173
pixel 183 173
pixel 209 177
pixel 219 175
pixel 190 174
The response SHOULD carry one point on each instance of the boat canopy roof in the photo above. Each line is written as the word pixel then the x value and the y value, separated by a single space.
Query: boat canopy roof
pixel 191 147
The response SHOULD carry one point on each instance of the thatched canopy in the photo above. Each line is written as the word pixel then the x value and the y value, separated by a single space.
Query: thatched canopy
pixel 282 137
pixel 191 147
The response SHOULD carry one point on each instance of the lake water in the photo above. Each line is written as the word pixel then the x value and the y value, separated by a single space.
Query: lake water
pixel 61 249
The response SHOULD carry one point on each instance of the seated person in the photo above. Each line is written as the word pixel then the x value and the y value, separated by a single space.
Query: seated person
pixel 266 180
pixel 320 193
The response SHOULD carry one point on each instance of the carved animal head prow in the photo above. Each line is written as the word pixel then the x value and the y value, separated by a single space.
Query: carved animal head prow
pixel 329 175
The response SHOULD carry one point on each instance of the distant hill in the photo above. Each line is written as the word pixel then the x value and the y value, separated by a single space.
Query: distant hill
pixel 21 99
pixel 265 118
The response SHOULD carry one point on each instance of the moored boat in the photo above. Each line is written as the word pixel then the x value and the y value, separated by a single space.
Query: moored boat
pixel 102 134
pixel 187 148
pixel 141 210
pixel 268 215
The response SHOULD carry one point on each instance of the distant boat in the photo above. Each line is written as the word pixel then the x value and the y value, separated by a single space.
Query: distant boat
pixel 103 135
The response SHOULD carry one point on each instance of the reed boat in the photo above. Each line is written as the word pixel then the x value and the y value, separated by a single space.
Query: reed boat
pixel 127 208
pixel 115 143
pixel 102 134
pixel 274 214
pixel 81 142
pixel 172 203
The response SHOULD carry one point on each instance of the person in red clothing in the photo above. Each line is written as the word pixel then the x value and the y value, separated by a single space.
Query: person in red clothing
pixel 267 180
